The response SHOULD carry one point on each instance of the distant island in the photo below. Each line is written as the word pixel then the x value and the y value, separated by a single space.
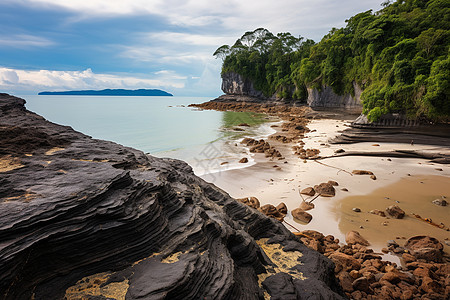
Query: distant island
pixel 112 92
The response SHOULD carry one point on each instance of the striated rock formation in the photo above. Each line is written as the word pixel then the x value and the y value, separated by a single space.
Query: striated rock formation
pixel 327 98
pixel 235 84
pixel 90 219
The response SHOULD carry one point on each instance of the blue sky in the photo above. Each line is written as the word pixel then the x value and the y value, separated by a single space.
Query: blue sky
pixel 95 44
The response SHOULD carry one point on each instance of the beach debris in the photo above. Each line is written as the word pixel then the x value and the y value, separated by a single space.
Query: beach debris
pixel 376 145
pixel 271 211
pixel 244 124
pixel 373 177
pixel 309 191
pixel 339 151
pixel 282 208
pixel 439 169
pixel 353 237
pixel 223 163
pixel 325 189
pixel 378 212
pixel 362 172
pixel 253 202
pixel 243 160
pixel 238 129
pixel 356 209
pixel 344 189
pixel 440 202
pixel 301 215
pixel 306 205
pixel 395 211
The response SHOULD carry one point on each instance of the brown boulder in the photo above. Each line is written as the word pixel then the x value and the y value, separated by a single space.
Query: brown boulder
pixel 344 262
pixel 423 241
pixel 306 205
pixel 313 234
pixel 333 183
pixel 325 189
pixel 431 286
pixel 362 284
pixel 353 237
pixel 346 281
pixel 271 211
pixel 395 212
pixel 309 191
pixel 301 215
pixel 243 160
pixel 428 254
pixel 282 208
pixel 250 201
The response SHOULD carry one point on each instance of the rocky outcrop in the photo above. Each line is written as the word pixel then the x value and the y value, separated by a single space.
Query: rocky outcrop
pixel 235 84
pixel 88 219
pixel 326 98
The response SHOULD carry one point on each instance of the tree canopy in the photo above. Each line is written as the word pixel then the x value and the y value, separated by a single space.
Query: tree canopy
pixel 398 55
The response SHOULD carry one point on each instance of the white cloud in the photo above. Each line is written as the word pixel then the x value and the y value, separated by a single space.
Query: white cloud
pixel 26 80
pixel 311 19
pixel 24 41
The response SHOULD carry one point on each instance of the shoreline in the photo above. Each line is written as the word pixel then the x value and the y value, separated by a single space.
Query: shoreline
pixel 273 181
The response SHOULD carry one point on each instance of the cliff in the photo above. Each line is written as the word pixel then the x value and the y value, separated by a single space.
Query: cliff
pixel 89 219
pixel 234 84
pixel 326 98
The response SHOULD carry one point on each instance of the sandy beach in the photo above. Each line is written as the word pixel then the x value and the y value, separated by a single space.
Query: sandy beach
pixel 410 183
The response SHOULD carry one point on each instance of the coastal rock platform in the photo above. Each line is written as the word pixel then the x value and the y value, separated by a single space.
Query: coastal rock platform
pixel 89 219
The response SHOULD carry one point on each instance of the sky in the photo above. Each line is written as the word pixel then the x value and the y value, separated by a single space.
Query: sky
pixel 57 45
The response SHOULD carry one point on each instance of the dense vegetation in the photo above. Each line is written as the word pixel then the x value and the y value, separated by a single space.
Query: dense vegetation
pixel 398 55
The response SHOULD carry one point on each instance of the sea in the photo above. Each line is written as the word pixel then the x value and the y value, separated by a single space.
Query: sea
pixel 160 126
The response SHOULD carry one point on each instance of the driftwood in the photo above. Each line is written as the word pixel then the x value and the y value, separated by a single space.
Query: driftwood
pixel 436 157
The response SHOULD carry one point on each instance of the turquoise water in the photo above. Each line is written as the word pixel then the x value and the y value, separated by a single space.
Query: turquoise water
pixel 161 126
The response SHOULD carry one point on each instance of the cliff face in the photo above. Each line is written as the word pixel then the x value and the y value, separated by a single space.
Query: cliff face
pixel 91 219
pixel 327 98
pixel 235 84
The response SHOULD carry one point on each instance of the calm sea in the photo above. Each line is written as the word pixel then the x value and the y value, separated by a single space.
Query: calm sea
pixel 161 126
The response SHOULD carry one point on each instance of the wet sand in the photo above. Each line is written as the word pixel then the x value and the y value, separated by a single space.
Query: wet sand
pixel 273 181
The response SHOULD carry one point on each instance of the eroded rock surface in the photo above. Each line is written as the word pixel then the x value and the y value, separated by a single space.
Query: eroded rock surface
pixel 91 219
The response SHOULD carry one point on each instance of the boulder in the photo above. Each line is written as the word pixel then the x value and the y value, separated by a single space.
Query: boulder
pixel 362 284
pixel 309 191
pixel 243 160
pixel 344 262
pixel 333 183
pixel 306 205
pixel 301 215
pixel 325 189
pixel 395 211
pixel 282 208
pixel 250 201
pixel 353 237
pixel 271 211
pixel 423 241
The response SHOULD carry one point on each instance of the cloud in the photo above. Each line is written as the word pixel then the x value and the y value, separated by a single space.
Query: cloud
pixel 26 80
pixel 24 41
pixel 308 18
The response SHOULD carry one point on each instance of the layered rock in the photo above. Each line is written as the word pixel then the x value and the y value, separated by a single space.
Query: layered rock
pixel 91 219
pixel 235 84
pixel 326 98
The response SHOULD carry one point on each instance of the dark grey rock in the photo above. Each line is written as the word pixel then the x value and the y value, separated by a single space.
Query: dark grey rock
pixel 96 206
